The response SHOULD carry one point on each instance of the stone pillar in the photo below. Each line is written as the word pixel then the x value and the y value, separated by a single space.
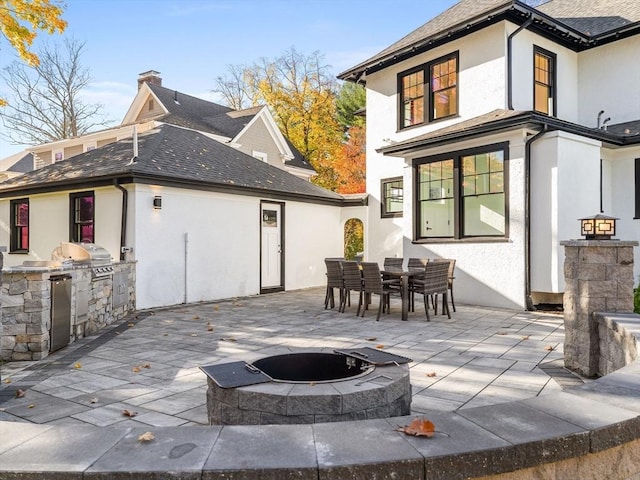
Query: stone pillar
pixel 598 278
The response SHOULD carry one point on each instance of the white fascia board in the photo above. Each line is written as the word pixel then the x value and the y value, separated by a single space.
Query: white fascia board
pixel 274 131
pixel 138 102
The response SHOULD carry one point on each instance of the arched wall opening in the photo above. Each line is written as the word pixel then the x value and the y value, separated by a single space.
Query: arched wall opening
pixel 353 238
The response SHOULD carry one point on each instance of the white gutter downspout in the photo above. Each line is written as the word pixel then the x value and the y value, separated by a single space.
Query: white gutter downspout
pixel 186 257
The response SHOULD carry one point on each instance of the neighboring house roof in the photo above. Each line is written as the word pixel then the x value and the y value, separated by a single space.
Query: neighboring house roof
pixel 500 120
pixel 173 156
pixel 572 23
pixel 202 115
pixel 23 164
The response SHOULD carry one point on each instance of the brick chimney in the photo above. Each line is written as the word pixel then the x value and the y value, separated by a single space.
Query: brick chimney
pixel 151 77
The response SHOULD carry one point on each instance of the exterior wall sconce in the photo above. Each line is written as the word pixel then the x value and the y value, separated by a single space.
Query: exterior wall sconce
pixel 598 227
pixel 157 202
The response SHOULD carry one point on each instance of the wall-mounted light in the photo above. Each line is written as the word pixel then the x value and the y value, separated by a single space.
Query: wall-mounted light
pixel 598 227
pixel 157 202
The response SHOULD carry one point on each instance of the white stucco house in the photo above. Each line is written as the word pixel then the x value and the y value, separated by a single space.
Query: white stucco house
pixel 492 129
pixel 210 202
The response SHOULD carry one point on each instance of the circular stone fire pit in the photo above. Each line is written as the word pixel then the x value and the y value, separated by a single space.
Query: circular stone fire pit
pixel 309 387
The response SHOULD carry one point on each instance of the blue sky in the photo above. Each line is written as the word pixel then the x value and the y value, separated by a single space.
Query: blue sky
pixel 191 42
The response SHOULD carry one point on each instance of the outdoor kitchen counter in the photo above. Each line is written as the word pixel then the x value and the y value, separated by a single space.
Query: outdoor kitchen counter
pixel 587 432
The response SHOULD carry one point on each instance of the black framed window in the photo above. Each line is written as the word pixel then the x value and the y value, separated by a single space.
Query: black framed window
pixel 462 194
pixel 544 81
pixel 392 196
pixel 82 217
pixel 19 241
pixel 432 88
pixel 637 187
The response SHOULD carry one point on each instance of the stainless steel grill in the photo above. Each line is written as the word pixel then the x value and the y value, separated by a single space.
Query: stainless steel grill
pixel 88 254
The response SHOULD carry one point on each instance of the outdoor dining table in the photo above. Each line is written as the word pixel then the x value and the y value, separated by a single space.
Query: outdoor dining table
pixel 404 275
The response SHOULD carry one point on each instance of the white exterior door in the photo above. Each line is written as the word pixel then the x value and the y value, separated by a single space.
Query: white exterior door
pixel 271 247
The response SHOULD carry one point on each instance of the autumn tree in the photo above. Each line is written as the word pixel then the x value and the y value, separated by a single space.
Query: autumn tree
pixel 46 101
pixel 300 92
pixel 20 20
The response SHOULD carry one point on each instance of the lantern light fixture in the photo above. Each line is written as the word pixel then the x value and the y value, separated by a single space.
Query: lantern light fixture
pixel 157 202
pixel 598 227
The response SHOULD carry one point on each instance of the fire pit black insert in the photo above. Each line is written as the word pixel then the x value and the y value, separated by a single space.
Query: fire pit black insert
pixel 323 385
pixel 311 367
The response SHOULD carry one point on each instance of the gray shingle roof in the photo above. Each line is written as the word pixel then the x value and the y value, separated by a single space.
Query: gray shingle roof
pixel 202 115
pixel 173 155
pixel 499 120
pixel 593 17
pixel 586 18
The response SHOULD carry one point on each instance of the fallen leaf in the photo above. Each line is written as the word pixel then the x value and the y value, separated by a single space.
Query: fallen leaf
pixel 31 405
pixel 380 346
pixel 135 369
pixel 549 348
pixel 117 333
pixel 313 384
pixel 7 380
pixel 129 413
pixel 146 365
pixel 502 333
pixel 130 324
pixel 372 339
pixel 228 339
pixel 237 304
pixel 165 334
pixel 216 307
pixel 196 317
pixel 431 374
pixel 419 427
pixel 209 328
pixel 94 400
pixel 524 337
pixel 77 365
pixel 194 334
pixel 146 437
pixel 20 393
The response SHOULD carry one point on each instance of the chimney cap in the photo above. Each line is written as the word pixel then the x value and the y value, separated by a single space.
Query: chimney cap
pixel 149 73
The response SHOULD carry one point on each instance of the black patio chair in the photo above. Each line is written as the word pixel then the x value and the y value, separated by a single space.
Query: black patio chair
pixel 372 283
pixel 334 280
pixel 352 282
pixel 435 282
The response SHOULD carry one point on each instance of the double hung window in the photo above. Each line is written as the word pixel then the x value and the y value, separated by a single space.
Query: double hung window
pixel 544 83
pixel 82 217
pixel 462 195
pixel 429 92
pixel 19 225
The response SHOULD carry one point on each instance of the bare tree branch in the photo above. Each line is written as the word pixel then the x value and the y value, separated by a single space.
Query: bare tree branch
pixel 46 101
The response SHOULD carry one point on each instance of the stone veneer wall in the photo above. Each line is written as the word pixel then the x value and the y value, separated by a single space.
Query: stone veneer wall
pixel 26 308
pixel 598 278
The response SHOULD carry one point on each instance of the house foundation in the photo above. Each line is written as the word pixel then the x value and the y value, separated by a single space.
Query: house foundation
pixel 598 278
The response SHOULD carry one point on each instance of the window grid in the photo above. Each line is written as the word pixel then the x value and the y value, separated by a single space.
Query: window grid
pixel 441 92
pixel 392 197
pixel 544 82
pixel 462 195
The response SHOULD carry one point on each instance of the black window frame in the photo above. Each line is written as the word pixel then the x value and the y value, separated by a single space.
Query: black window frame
pixel 384 213
pixel 458 197
pixel 75 226
pixel 428 91
pixel 637 188
pixel 553 63
pixel 15 241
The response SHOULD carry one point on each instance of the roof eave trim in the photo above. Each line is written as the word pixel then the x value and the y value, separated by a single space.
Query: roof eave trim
pixel 524 120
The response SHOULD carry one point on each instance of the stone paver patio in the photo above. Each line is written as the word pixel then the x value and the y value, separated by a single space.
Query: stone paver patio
pixel 149 364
